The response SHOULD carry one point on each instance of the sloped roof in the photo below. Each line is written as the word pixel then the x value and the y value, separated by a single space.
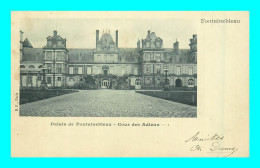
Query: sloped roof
pixel 33 54
pixel 26 43
pixel 170 55
pixel 129 54
pixel 81 55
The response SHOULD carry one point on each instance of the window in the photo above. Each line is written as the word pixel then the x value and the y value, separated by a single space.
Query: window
pixel 71 70
pixel 190 70
pixel 59 55
pixel 148 81
pixel 48 80
pixel 89 70
pixel 123 71
pixel 158 70
pixel 111 70
pixel 80 70
pixel 148 44
pixel 135 71
pixel 22 66
pixel 29 80
pixel 158 44
pixel 99 58
pixel 31 66
pixel 190 83
pixel 49 68
pixel 59 78
pixel 158 57
pixel 49 43
pixel 178 70
pixel 112 58
pixel 148 69
pixel 59 68
pixel 158 81
pixel 137 82
pixel 40 66
pixel 39 78
pixel 48 55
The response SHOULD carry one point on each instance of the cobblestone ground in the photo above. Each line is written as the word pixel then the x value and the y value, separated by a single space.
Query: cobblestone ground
pixel 107 103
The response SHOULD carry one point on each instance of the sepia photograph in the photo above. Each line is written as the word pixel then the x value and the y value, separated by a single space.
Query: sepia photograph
pixel 108 68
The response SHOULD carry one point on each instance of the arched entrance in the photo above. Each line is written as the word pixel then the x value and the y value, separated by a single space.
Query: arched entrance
pixel 105 84
pixel 178 83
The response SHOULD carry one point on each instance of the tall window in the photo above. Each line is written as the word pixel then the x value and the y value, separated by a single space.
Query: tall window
pixel 190 70
pixel 99 58
pixel 178 70
pixel 48 80
pixel 111 58
pixel 158 69
pixel 71 69
pixel 48 55
pixel 80 70
pixel 49 68
pixel 59 56
pixel 49 43
pixel 105 58
pixel 148 81
pixel 59 68
pixel 111 70
pixel 158 44
pixel 158 57
pixel 135 71
pixel 148 44
pixel 148 69
pixel 89 70
pixel 123 71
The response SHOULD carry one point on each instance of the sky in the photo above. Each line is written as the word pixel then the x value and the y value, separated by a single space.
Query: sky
pixel 81 33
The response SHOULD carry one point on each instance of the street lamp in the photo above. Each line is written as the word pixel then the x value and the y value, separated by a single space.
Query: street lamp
pixel 166 84
pixel 43 83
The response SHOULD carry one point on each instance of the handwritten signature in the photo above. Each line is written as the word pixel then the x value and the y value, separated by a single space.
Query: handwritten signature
pixel 215 144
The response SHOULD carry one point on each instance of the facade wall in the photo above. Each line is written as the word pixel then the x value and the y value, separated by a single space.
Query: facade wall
pixel 61 72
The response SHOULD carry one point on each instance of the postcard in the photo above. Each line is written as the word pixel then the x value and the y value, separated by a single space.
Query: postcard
pixel 130 84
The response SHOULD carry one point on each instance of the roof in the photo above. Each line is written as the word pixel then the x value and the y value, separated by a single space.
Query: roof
pixel 129 54
pixel 81 55
pixel 26 43
pixel 33 54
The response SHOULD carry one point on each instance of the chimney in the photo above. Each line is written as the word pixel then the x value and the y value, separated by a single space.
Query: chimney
pixel 176 47
pixel 148 33
pixel 97 36
pixel 55 33
pixel 21 36
pixel 138 44
pixel 117 38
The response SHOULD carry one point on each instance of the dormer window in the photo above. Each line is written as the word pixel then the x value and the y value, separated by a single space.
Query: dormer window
pixel 158 44
pixel 148 44
pixel 49 43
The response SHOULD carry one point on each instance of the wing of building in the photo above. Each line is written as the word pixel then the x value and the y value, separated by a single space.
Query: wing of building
pixel 148 66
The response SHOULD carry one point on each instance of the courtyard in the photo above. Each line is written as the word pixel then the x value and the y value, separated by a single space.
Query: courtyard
pixel 107 103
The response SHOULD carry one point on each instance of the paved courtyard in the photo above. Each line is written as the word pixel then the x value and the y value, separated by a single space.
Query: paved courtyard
pixel 107 103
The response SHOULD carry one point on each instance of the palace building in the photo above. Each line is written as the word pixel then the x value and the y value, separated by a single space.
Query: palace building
pixel 148 66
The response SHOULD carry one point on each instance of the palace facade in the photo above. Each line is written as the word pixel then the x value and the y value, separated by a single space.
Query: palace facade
pixel 148 66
